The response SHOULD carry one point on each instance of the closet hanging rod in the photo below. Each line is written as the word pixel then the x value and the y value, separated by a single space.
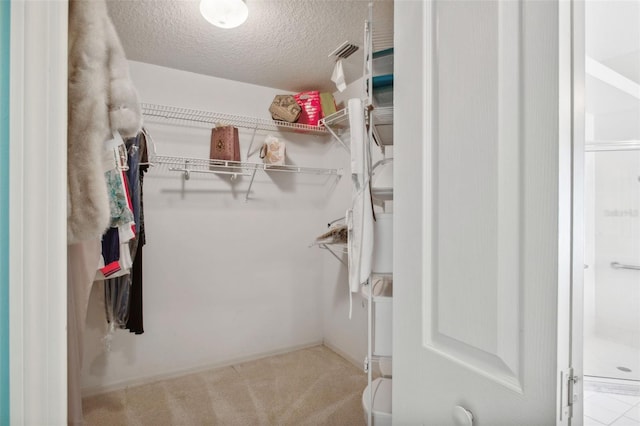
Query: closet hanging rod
pixel 234 167
pixel 188 171
pixel 617 265
pixel 211 119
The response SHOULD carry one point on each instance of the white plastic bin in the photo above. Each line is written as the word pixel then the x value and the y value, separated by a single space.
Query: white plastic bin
pixel 382 62
pixel 382 305
pixel 382 180
pixel 383 244
pixel 381 413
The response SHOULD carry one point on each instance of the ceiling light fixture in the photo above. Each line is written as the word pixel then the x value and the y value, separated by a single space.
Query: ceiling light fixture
pixel 224 13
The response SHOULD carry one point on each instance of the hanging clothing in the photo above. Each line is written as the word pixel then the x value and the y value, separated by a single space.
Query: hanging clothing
pixel 101 98
pixel 138 166
pixel 123 290
pixel 122 245
pixel 116 256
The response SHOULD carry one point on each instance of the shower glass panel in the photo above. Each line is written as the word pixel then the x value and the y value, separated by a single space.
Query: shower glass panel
pixel 612 274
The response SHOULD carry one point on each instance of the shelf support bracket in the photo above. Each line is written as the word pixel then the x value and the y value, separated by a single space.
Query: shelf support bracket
pixel 253 175
pixel 326 247
pixel 337 137
pixel 253 137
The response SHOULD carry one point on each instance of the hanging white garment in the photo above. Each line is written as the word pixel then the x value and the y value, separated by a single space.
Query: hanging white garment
pixel 360 216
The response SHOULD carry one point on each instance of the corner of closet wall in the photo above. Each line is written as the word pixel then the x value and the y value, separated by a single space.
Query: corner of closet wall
pixel 224 280
pixel 348 337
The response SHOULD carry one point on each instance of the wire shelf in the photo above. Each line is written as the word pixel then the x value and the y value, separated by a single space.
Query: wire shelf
pixel 337 250
pixel 211 119
pixel 336 124
pixel 199 165
pixel 382 121
pixel 382 115
pixel 337 120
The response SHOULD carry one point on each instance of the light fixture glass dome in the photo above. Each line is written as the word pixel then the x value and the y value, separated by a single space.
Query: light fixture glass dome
pixel 224 13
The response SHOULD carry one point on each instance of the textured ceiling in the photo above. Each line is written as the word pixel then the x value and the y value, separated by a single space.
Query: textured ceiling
pixel 283 44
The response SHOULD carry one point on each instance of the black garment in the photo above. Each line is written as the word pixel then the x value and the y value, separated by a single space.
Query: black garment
pixel 138 153
pixel 134 323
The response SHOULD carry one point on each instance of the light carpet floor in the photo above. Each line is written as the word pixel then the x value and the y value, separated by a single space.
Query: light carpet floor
pixel 313 386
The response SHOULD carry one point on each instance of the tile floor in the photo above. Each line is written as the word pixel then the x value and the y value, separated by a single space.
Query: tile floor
pixel 611 409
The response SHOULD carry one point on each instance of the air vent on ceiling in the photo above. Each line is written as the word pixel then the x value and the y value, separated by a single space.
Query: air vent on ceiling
pixel 345 50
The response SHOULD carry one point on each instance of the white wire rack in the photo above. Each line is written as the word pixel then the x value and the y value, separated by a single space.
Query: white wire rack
pixel 337 250
pixel 199 165
pixel 382 122
pixel 188 166
pixel 381 118
pixel 192 117
pixel 336 124
pixel 179 115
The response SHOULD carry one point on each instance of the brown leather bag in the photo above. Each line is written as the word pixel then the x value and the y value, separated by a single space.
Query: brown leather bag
pixel 225 144
pixel 285 108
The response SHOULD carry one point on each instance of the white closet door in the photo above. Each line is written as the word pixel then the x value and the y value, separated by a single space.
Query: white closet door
pixel 482 202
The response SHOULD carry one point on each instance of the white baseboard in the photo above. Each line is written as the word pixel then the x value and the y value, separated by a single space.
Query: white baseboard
pixel 97 390
pixel 357 362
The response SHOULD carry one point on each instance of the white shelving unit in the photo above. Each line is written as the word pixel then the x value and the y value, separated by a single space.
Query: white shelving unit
pixel 207 119
pixel 191 117
pixel 188 165
pixel 381 119
pixel 377 395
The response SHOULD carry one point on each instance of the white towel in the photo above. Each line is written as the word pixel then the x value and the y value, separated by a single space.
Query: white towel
pixel 338 76
pixel 360 216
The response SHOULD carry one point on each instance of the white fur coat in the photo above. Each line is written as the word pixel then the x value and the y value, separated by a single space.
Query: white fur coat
pixel 101 99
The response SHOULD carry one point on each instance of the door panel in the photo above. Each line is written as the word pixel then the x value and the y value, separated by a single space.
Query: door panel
pixel 474 314
pixel 481 212
pixel 5 22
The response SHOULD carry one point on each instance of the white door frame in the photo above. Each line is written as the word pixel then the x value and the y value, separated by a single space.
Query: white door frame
pixel 37 212
pixel 571 253
pixel 578 224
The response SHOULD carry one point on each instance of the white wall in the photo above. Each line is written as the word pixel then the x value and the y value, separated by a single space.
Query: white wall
pixel 612 203
pixel 347 336
pixel 616 224
pixel 589 251
pixel 618 125
pixel 223 279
